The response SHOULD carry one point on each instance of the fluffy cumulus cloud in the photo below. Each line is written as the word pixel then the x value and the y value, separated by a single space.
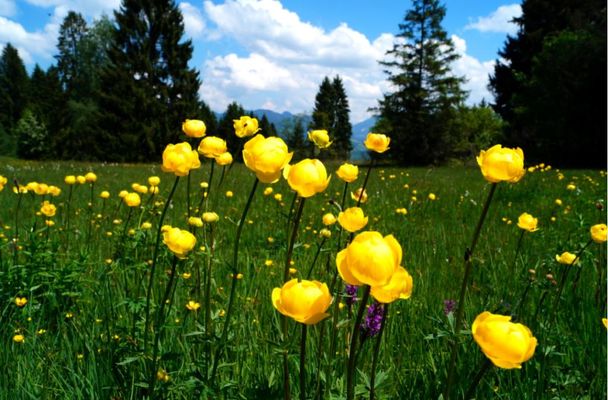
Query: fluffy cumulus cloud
pixel 288 58
pixel 499 21
pixel 193 20
pixel 475 72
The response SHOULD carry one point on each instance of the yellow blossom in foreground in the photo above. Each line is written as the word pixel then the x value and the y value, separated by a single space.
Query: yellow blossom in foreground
pixel 527 222
pixel 501 164
pixel 245 126
pixel 505 343
pixel 308 177
pixel 329 219
pixel 194 128
pixel 48 209
pixel 180 159
pixel 352 219
pixel 266 157
pixel 212 146
pixel 3 182
pixel 179 241
pixel 348 172
pixel 399 287
pixel 20 301
pixel 305 301
pixel 132 199
pixel 369 259
pixel 193 305
pixel 565 258
pixel 377 142
pixel 320 138
pixel 598 233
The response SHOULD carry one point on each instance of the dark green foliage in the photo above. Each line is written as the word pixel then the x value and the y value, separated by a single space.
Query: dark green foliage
pixel 550 83
pixel 266 128
pixel 71 33
pixel 14 86
pixel 474 129
pixel 331 113
pixel 225 129
pixel 32 137
pixel 419 114
pixel 295 138
pixel 148 88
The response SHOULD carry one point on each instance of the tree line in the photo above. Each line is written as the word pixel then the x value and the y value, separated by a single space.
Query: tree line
pixel 121 87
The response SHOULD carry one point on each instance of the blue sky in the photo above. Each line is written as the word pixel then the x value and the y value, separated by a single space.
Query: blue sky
pixel 274 54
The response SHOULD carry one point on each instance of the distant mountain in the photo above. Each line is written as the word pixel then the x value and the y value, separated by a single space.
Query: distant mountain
pixel 360 132
pixel 282 120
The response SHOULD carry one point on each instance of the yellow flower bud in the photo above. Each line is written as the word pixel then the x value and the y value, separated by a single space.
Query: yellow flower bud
pixel 194 128
pixel 81 179
pixel 70 180
pixel 307 178
pixel 565 258
pixel 210 217
pixel 326 233
pixel 193 305
pixel 352 219
pixel 90 177
pixel 20 301
pixel 329 219
pixel 348 172
pixel 195 221
pixel 266 157
pixel 501 164
pixel 105 194
pixel 598 233
pixel 19 338
pixel 224 159
pixel 377 142
pixel 268 191
pixel 48 209
pixel 212 146
pixel 154 181
pixel 505 343
pixel 122 194
pixel 305 301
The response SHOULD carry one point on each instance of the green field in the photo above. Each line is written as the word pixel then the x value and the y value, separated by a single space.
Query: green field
pixel 83 325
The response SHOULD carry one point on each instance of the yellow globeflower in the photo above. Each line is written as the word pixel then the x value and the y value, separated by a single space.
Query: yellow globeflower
pixel 193 305
pixel 20 301
pixel 90 177
pixel 153 181
pixel 245 126
pixel 305 301
pixel 132 199
pixel 212 146
pixel 3 182
pixel 179 241
pixel 19 338
pixel 195 221
pixel 501 164
pixel 432 196
pixel 377 142
pixel 329 219
pixel 122 194
pixel 266 157
pixel 359 195
pixel 194 128
pixel 104 195
pixel 399 287
pixel 224 159
pixel 505 343
pixel 598 233
pixel 180 159
pixel 352 219
pixel 320 138
pixel 268 191
pixel 527 222
pixel 326 233
pixel 348 172
pixel 70 180
pixel 369 259
pixel 54 191
pixel 48 209
pixel 308 177
pixel 210 217
pixel 565 258
pixel 81 179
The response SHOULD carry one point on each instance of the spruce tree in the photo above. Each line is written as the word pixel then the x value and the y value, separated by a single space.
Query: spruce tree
pixel 225 129
pixel 418 114
pixel 295 138
pixel 71 33
pixel 14 87
pixel 147 88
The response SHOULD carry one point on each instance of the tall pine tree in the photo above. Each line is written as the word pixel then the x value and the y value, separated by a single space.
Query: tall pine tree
pixel 71 33
pixel 550 82
pixel 147 88
pixel 419 113
pixel 14 85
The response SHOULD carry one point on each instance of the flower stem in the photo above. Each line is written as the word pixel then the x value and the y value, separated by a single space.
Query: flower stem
pixel 154 258
pixel 235 259
pixel 303 363
pixel 484 368
pixel 369 170
pixel 352 351
pixel 468 255
pixel 314 260
pixel 372 379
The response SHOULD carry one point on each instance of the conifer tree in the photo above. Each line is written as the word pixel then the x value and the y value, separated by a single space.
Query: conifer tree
pixel 71 33
pixel 418 114
pixel 14 87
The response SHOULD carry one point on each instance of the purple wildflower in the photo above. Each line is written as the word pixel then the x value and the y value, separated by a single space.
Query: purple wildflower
pixel 448 306
pixel 373 320
pixel 351 294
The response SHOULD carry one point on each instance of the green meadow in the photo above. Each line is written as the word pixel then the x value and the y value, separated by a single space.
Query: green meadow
pixel 82 333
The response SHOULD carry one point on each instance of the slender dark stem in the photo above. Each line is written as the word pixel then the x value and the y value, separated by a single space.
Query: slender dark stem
pixel 154 258
pixel 372 379
pixel 209 183
pixel 314 260
pixel 482 371
pixel 292 240
pixel 303 363
pixel 517 249
pixel 188 196
pixel 208 332
pixel 90 222
pixel 352 352
pixel 16 236
pixel 369 170
pixel 235 269
pixel 468 255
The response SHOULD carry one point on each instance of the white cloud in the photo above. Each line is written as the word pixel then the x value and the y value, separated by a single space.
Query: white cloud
pixel 193 20
pixel 31 45
pixel 8 8
pixel 499 21
pixel 88 8
pixel 476 72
